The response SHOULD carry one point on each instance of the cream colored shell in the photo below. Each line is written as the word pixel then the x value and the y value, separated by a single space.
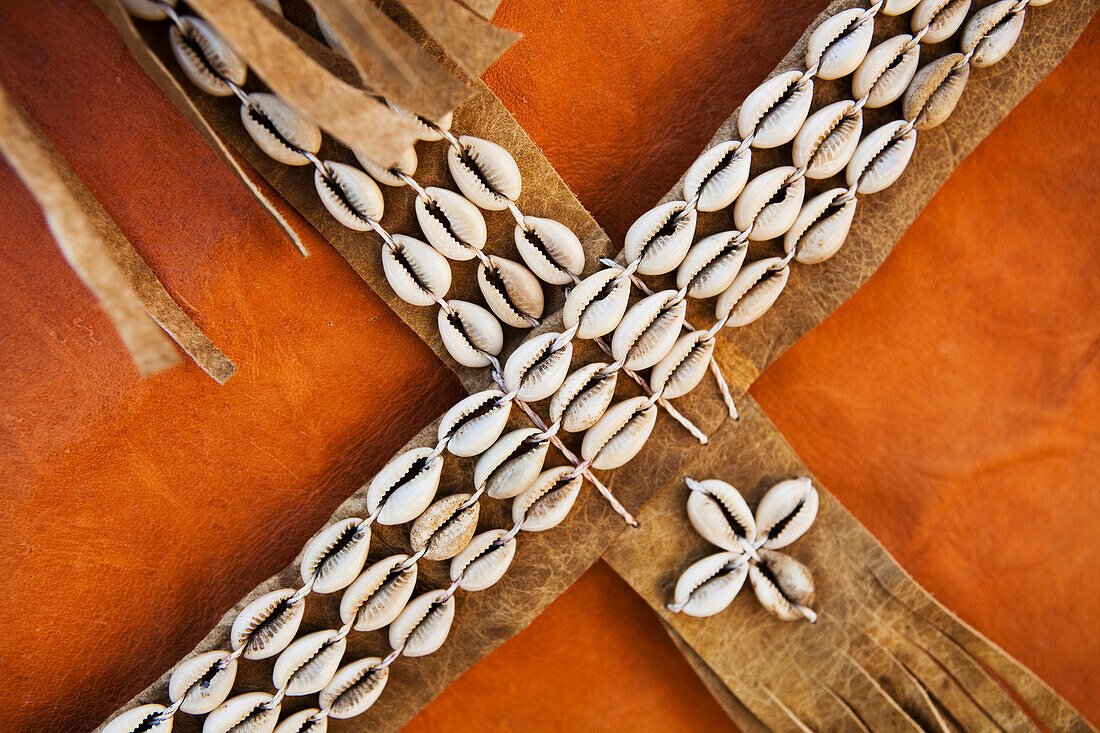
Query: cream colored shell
pixel 584 397
pixel 660 238
pixel 550 249
pixel 354 688
pixel 265 626
pixel 404 487
pixel 711 265
pixel 205 57
pixel 378 595
pixel 349 194
pixel 424 624
pixel 619 434
pixel 821 227
pixel 475 423
pixel 886 72
pixel 881 158
pixel 308 664
pixel 992 32
pixel 786 589
pixel 139 719
pixel 752 292
pixel 386 176
pixel 943 18
pixel 147 10
pixel 278 130
pixel 251 712
pixel 300 722
pixel 826 142
pixel 720 514
pixel 538 366
pixel 418 274
pixel 511 291
pixel 839 43
pixel 648 330
pixel 786 512
pixel 202 695
pixel 935 91
pixel 684 366
pixel 547 502
pixel 511 464
pixel 445 528
pixel 717 176
pixel 759 213
pixel 450 223
pixel 711 584
pixel 773 112
pixel 485 172
pixel 335 557
pixel 484 561
pixel 597 304
pixel 470 332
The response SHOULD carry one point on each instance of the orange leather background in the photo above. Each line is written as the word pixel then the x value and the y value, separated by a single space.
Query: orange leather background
pixel 951 404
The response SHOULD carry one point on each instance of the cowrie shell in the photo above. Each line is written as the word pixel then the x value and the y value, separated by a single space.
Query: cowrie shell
pixel 450 223
pixel 547 502
pixel 897 7
pixel 660 238
pixel 426 130
pixel 880 159
pixel 597 303
pixel 147 10
pixel 935 91
pixel 839 44
pixel 759 213
pixel 886 72
pixel 475 423
pixel 445 527
pixel 386 176
pixel 307 665
pixel 511 465
pixel 992 32
pixel 775 110
pixel 424 624
pixel 684 366
pixel 584 397
pixel 711 584
pixel 720 514
pixel 826 142
pixel 252 712
pixel 335 557
pixel 377 596
pixel 141 717
pixel 415 270
pixel 550 249
pixel 484 561
pixel 205 57
pixel 300 722
pixel 752 292
pixel 538 367
pixel 202 688
pixel 265 626
pixel 711 265
pixel 786 512
pixel 821 227
pixel 486 173
pixel 349 194
pixel 619 434
pixel 717 176
pixel 511 292
pixel 405 486
pixel 354 688
pixel 943 18
pixel 782 584
pixel 648 330
pixel 278 130
pixel 470 332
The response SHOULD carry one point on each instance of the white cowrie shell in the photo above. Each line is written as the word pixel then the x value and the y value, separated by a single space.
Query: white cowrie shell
pixel 821 227
pixel 717 176
pixel 252 712
pixel 992 32
pixel 424 624
pixel 775 110
pixel 405 486
pixel 415 270
pixel 720 514
pixel 386 176
pixel 897 7
pixel 475 423
pixel 511 465
pixel 468 331
pixel 547 502
pixel 886 72
pixel 538 367
pixel 709 585
pixel 335 557
pixel 880 159
pixel 138 719
pixel 349 194
pixel 205 57
pixel 278 130
pixel 484 561
pixel 511 292
pixel 943 18
pixel 147 10
pixel 839 44
pixel 648 330
pixel 752 292
pixel 583 397
pixel 684 366
pixel 450 223
pixel 786 512
pixel 826 142
pixel 201 690
pixel 377 596
pixel 620 433
pixel 784 586
pixel 598 303
pixel 935 91
pixel 550 249
pixel 445 528
pixel 307 665
pixel 265 626
pixel 354 688
pixel 711 265
pixel 300 722
pixel 660 238
pixel 486 173
pixel 757 213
